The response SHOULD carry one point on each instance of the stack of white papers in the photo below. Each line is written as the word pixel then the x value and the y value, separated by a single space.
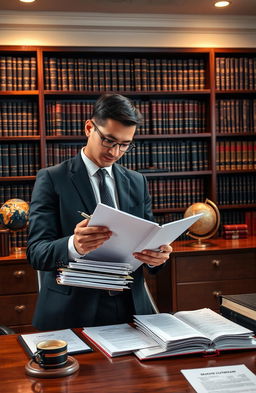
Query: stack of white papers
pixel 96 274
pixel 109 266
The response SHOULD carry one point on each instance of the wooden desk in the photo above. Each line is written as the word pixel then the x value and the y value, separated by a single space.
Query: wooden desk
pixel 102 375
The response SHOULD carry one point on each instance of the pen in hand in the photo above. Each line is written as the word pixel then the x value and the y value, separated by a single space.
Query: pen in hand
pixel 84 214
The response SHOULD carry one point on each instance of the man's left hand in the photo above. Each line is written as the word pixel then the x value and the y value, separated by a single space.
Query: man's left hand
pixel 154 258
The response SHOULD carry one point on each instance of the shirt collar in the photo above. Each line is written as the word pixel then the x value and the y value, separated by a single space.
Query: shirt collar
pixel 92 168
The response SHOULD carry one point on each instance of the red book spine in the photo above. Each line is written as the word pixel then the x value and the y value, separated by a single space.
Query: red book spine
pixel 238 231
pixel 231 227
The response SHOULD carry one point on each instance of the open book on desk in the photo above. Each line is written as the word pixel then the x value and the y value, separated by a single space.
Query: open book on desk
pixel 161 335
pixel 131 233
pixel 187 332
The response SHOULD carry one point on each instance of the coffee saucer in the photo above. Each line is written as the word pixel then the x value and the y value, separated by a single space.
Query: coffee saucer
pixel 33 369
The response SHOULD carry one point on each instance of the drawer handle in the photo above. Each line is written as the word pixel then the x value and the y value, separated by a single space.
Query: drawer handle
pixel 216 262
pixel 217 293
pixel 19 273
pixel 20 308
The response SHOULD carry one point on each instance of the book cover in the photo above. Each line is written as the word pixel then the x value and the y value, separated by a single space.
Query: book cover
pixel 244 304
pixel 236 317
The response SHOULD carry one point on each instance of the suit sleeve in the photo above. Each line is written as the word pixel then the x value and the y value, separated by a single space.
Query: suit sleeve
pixel 47 249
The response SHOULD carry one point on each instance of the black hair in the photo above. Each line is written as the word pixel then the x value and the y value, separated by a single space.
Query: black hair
pixel 116 107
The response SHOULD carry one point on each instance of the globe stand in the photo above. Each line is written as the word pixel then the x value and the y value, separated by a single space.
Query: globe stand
pixel 200 243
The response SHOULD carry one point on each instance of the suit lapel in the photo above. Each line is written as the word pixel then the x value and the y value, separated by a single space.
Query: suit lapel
pixel 123 188
pixel 81 181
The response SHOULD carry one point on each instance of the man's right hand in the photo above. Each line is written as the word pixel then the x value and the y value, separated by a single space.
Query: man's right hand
pixel 87 239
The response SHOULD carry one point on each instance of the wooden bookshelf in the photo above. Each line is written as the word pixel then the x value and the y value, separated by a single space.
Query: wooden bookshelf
pixel 194 101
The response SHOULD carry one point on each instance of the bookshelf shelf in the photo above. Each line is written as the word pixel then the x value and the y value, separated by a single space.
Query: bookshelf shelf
pixel 196 103
pixel 19 93
pixel 17 178
pixel 174 174
pixel 20 138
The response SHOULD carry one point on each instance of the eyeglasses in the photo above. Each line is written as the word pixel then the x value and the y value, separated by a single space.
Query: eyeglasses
pixel 106 142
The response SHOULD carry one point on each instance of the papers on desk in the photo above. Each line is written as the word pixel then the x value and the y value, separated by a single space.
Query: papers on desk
pixel 116 340
pixel 235 379
pixel 185 332
pixel 114 257
pixel 198 331
pixel 75 344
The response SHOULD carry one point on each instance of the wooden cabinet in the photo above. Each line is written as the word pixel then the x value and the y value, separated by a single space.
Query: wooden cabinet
pixel 18 292
pixel 199 276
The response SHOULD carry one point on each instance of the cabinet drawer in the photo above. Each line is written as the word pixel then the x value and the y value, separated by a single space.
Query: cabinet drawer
pixel 199 295
pixel 18 309
pixel 18 278
pixel 216 266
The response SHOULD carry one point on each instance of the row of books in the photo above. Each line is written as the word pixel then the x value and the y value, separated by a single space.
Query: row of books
pixel 176 193
pixel 19 239
pixel 67 117
pixel 123 74
pixel 18 118
pixel 19 159
pixel 236 115
pixel 18 73
pixel 235 231
pixel 235 73
pixel 235 154
pixel 58 152
pixel 175 156
pixel 18 190
pixel 236 189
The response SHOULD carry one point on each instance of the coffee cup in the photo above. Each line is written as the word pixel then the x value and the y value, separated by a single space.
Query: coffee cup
pixel 51 354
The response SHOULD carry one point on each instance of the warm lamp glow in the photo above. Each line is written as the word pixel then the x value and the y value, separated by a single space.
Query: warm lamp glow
pixel 222 3
pixel 27 1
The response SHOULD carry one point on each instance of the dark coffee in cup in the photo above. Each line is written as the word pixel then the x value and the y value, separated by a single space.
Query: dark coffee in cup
pixel 51 354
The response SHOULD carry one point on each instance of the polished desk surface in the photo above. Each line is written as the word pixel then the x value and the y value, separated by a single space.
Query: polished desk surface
pixel 100 374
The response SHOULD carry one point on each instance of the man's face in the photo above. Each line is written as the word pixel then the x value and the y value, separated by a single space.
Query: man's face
pixel 114 131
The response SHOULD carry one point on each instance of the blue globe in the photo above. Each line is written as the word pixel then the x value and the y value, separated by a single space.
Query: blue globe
pixel 14 214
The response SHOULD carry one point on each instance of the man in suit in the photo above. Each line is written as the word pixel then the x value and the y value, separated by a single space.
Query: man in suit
pixel 57 233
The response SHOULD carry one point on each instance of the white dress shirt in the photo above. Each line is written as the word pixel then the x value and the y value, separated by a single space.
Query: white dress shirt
pixel 92 169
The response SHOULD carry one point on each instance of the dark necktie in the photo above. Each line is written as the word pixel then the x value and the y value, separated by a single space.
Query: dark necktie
pixel 105 195
pixel 107 199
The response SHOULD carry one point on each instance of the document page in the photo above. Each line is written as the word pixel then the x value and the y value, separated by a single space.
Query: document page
pixel 131 233
pixel 214 325
pixel 225 379
pixel 118 339
pixel 75 344
pixel 166 327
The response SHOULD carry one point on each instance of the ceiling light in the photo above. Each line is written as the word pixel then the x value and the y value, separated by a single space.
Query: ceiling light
pixel 222 3
pixel 27 1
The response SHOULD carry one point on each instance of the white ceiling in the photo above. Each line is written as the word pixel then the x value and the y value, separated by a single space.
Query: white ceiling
pixel 238 7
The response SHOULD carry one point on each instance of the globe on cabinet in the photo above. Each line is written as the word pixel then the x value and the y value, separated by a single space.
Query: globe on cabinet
pixel 14 215
pixel 207 226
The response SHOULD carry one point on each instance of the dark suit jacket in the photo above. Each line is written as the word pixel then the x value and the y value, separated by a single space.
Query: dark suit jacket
pixel 59 192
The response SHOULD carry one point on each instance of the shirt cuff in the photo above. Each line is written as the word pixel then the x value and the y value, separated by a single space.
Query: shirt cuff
pixel 72 253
